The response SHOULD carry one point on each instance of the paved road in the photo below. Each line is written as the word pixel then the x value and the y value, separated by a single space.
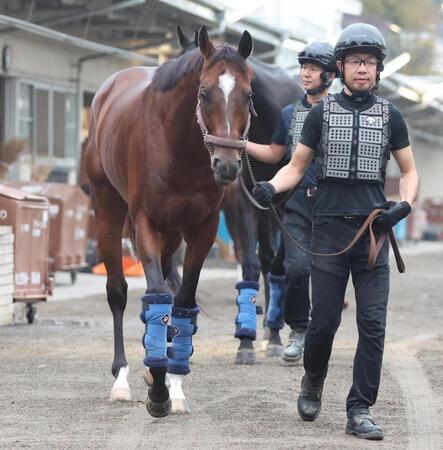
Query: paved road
pixel 55 375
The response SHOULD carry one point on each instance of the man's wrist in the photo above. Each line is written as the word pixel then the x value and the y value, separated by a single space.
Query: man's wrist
pixel 273 188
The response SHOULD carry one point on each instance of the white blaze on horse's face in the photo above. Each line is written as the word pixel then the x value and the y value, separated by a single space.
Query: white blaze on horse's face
pixel 226 82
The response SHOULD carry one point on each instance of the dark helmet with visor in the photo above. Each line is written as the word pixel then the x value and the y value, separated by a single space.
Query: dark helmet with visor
pixel 321 53
pixel 361 38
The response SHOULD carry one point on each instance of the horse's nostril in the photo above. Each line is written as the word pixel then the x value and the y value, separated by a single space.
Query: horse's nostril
pixel 239 163
pixel 215 162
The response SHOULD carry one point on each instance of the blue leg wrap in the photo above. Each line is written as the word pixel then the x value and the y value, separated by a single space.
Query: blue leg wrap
pixel 184 323
pixel 277 290
pixel 246 320
pixel 156 314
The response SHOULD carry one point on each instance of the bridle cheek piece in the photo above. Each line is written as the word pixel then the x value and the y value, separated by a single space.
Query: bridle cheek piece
pixel 210 139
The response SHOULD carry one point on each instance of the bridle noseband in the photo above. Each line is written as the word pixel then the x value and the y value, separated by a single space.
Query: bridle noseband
pixel 210 139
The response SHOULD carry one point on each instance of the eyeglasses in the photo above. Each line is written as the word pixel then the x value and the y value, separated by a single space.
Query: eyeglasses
pixel 310 68
pixel 354 62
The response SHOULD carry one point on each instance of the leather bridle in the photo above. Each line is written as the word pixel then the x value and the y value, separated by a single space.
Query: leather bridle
pixel 210 139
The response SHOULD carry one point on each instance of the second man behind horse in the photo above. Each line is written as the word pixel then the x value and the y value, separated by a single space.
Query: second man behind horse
pixel 289 277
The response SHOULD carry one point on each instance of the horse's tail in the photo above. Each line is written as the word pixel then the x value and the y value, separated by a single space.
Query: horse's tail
pixel 129 232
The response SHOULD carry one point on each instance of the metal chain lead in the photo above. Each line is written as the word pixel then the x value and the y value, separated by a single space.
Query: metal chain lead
pixel 250 171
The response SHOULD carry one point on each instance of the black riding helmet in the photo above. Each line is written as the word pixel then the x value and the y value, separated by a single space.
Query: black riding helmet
pixel 321 53
pixel 361 38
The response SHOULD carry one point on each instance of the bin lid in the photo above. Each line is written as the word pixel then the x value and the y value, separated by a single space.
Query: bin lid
pixel 55 191
pixel 17 194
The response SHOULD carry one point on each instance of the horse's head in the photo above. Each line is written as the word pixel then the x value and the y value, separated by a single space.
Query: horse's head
pixel 225 103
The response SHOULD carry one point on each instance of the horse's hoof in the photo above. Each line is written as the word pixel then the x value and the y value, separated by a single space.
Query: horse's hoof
pixel 245 356
pixel 158 409
pixel 180 406
pixel 120 394
pixel 274 350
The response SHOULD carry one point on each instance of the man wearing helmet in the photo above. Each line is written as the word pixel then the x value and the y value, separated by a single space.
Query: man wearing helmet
pixel 351 136
pixel 289 277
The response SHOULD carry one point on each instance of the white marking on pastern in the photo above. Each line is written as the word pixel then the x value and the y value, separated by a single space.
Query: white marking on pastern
pixel 178 400
pixel 120 390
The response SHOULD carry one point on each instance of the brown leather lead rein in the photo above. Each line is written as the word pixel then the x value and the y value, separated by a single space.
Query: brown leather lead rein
pixel 374 248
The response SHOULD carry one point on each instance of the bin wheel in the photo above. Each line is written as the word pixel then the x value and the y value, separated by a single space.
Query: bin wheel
pixel 30 312
pixel 73 276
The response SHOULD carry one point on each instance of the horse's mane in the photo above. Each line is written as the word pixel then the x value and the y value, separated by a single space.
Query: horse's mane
pixel 171 72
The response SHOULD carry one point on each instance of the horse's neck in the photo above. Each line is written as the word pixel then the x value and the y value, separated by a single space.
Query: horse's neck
pixel 183 99
pixel 181 121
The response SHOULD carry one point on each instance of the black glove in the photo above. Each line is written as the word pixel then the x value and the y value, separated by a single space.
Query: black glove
pixel 392 213
pixel 263 192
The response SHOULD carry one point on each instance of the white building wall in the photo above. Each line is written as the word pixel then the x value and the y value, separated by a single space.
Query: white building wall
pixel 33 58
pixel 39 58
pixel 50 65
pixel 429 161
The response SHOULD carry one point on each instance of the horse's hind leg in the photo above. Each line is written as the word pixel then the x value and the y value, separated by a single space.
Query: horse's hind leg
pixel 110 213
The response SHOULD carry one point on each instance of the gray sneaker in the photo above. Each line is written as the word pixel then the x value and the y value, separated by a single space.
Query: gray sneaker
pixel 294 350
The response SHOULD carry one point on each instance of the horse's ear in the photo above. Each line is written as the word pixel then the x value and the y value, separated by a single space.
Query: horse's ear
pixel 196 38
pixel 245 45
pixel 205 44
pixel 182 38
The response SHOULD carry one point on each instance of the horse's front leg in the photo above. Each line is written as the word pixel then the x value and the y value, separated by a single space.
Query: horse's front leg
pixel 156 313
pixel 185 310
pixel 246 234
pixel 275 283
pixel 267 239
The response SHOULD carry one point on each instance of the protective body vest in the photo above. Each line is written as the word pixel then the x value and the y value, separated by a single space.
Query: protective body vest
pixel 298 118
pixel 355 144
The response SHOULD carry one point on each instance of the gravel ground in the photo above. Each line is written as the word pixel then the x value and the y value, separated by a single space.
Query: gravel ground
pixel 55 377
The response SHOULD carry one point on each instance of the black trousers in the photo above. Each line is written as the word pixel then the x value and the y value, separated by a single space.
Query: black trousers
pixel 297 263
pixel 329 279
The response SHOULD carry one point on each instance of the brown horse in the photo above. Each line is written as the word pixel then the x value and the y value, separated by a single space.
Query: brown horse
pixel 148 164
pixel 273 89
